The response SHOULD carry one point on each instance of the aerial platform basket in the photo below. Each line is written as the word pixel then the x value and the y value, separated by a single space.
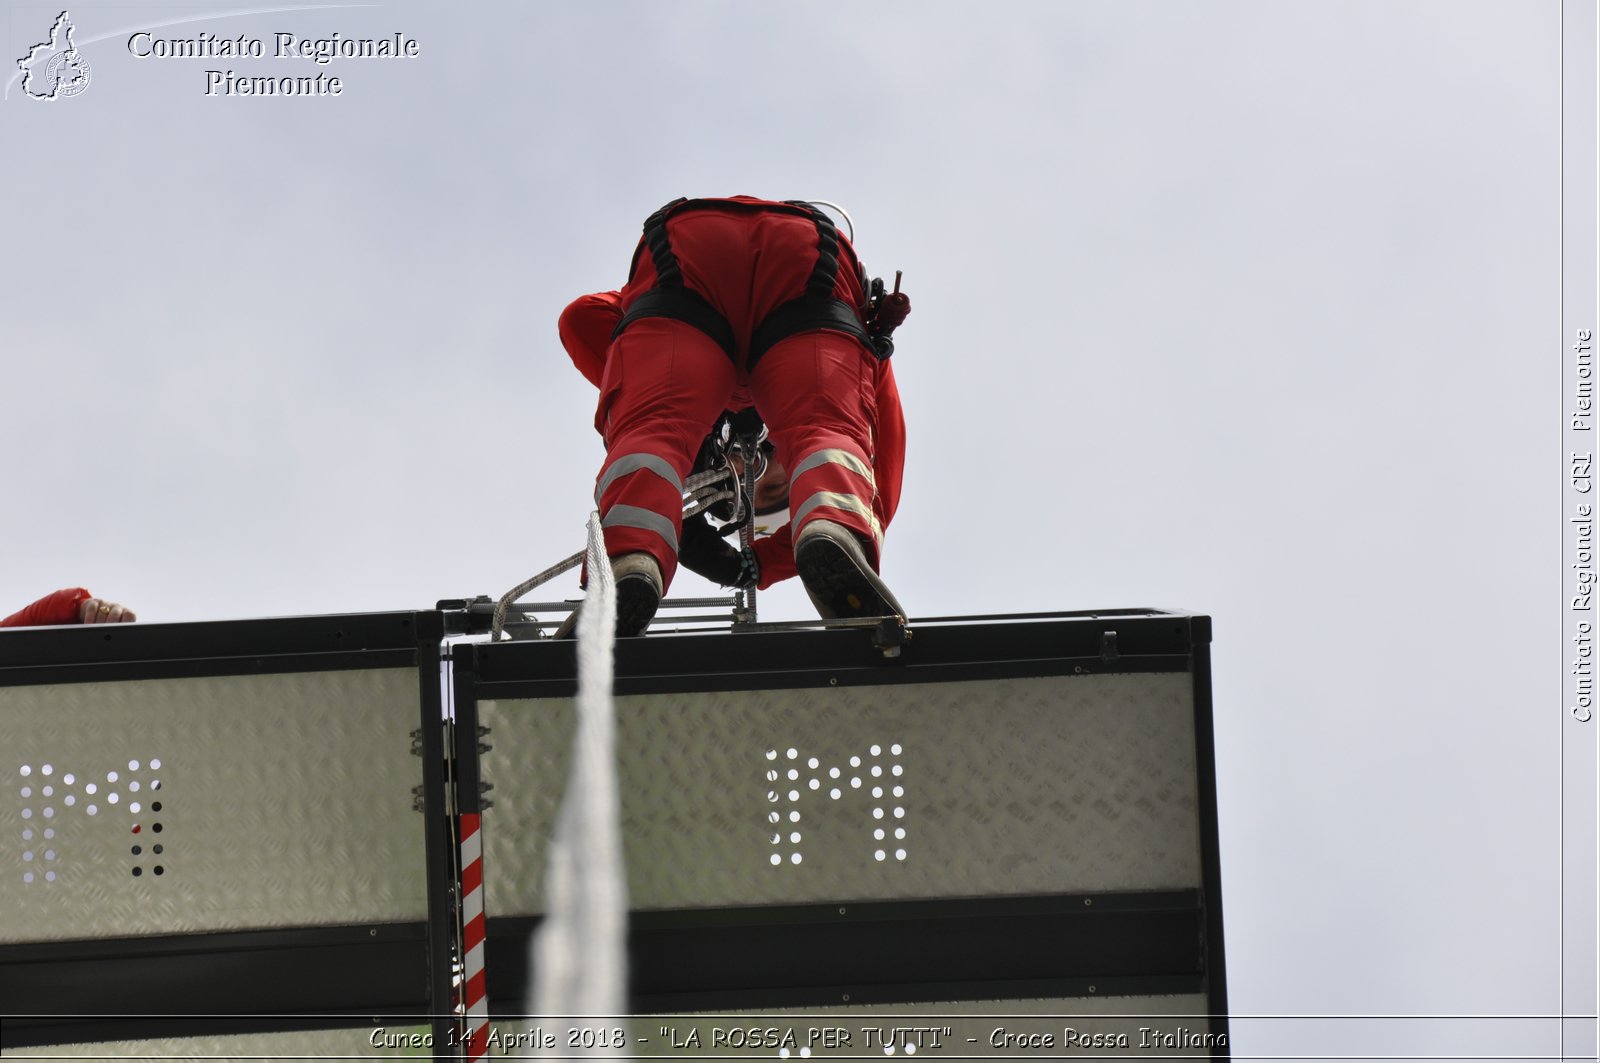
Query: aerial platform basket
pixel 1002 808
pixel 1044 792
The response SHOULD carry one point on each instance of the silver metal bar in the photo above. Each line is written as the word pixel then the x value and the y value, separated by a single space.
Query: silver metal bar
pixel 666 603
pixel 747 539
pixel 695 603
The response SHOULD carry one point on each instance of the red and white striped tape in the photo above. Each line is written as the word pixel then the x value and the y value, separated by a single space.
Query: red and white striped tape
pixel 474 996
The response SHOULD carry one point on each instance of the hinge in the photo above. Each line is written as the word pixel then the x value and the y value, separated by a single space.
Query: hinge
pixel 1108 646
pixel 891 634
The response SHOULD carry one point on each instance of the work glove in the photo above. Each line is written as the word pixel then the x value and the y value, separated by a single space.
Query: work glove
pixel 703 550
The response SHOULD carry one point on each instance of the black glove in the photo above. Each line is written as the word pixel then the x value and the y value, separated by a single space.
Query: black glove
pixel 703 551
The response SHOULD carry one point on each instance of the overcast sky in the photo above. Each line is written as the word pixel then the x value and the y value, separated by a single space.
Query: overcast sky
pixel 1245 308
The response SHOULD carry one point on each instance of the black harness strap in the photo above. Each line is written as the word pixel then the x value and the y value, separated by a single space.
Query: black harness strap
pixel 826 271
pixel 804 315
pixel 668 274
pixel 681 304
pixel 816 309
pixel 669 298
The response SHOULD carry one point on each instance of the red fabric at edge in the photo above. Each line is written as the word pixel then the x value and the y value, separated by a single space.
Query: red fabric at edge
pixel 58 608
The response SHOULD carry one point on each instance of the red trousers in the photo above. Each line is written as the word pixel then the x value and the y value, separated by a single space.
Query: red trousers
pixel 665 383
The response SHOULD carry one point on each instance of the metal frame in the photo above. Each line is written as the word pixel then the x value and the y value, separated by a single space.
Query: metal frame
pixel 938 650
pixel 1211 860
pixel 1056 946
pixel 249 981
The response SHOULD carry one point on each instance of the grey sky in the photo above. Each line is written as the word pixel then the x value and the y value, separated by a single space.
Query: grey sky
pixel 1245 308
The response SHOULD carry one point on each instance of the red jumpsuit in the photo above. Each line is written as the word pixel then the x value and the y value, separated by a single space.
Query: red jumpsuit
pixel 830 405
pixel 60 607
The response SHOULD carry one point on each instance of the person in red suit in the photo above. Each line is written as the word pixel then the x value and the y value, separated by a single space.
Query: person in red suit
pixel 71 605
pixel 732 303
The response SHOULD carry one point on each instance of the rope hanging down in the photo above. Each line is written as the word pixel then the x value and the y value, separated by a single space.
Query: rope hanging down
pixel 580 952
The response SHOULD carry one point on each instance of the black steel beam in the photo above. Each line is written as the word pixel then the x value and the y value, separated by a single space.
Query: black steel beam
pixel 161 986
pixel 889 952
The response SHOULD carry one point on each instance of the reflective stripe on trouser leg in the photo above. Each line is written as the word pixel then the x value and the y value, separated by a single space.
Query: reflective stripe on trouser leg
pixel 629 463
pixel 643 520
pixel 641 506
pixel 850 504
pixel 839 457
pixel 816 392
pixel 836 484
pixel 664 384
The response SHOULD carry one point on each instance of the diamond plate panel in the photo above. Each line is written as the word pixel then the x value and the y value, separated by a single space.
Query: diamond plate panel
pixel 284 800
pixel 961 789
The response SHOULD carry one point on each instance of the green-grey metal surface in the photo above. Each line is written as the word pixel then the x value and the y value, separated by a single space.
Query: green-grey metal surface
pixel 888 792
pixel 285 800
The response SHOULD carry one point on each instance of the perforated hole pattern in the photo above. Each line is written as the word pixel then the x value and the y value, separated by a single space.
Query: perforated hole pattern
pixel 786 763
pixel 44 787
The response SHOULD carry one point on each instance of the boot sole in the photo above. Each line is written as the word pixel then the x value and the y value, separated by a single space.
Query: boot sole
pixel 637 601
pixel 837 586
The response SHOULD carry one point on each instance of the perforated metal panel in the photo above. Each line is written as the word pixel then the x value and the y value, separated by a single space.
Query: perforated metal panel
pixel 209 803
pixel 919 790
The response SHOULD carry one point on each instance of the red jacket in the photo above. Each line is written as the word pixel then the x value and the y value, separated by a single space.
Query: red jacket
pixel 58 608
pixel 586 326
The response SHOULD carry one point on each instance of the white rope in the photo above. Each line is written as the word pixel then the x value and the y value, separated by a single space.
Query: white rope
pixel 579 954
